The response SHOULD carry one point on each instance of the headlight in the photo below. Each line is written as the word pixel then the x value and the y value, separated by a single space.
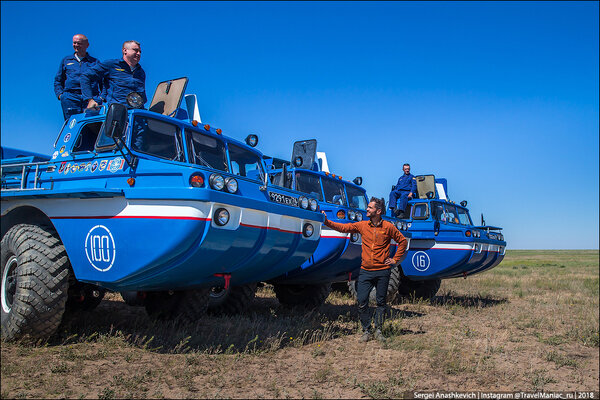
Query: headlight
pixel 354 237
pixel 314 206
pixel 308 230
pixel 221 217
pixel 231 184
pixel 399 225
pixel 359 216
pixel 303 202
pixel 351 215
pixel 135 100
pixel 217 182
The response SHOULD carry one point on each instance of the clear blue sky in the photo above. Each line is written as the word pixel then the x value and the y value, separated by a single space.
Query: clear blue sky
pixel 500 98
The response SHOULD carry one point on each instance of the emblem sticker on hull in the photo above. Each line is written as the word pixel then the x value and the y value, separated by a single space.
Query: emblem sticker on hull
pixel 421 261
pixel 100 248
pixel 72 124
pixel 67 137
pixel 102 165
pixel 116 164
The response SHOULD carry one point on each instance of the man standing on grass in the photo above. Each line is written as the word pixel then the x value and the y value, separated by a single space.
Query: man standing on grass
pixel 376 265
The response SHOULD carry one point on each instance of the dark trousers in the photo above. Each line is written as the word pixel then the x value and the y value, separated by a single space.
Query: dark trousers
pixel 366 281
pixel 72 103
pixel 398 199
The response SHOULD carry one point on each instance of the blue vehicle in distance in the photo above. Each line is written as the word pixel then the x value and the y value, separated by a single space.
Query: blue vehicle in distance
pixel 150 201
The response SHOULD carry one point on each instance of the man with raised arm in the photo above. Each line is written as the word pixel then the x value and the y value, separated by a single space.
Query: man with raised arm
pixel 67 82
pixel 376 264
pixel 123 76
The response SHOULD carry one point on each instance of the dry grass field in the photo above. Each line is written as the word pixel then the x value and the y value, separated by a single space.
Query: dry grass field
pixel 529 324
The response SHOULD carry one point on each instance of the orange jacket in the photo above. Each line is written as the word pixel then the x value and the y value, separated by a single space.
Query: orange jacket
pixel 375 242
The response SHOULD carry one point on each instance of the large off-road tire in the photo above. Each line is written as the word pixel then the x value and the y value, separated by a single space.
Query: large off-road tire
pixel 234 300
pixel 391 292
pixel 187 305
pixel 133 298
pixel 83 296
pixel 418 290
pixel 306 296
pixel 35 282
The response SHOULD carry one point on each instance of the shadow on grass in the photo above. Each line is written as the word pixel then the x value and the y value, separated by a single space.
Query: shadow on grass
pixel 476 301
pixel 266 326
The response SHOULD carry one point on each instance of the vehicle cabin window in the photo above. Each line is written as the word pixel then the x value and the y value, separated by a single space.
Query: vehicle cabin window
pixel 420 211
pixel 334 192
pixel 105 143
pixel 87 138
pixel 206 150
pixel 464 217
pixel 356 197
pixel 452 214
pixel 157 138
pixel 245 163
pixel 437 211
pixel 309 184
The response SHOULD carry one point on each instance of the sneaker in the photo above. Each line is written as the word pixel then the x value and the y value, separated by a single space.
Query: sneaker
pixel 379 336
pixel 365 337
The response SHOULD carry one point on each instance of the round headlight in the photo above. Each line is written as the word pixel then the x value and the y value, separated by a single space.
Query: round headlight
pixel 134 100
pixel 303 202
pixel 298 161
pixel 351 215
pixel 252 140
pixel 359 216
pixel 308 230
pixel 217 182
pixel 354 237
pixel 231 185
pixel 221 217
pixel 399 225
pixel 314 206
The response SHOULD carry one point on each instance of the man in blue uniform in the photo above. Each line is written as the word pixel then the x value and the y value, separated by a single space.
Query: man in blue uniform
pixel 67 82
pixel 123 76
pixel 404 190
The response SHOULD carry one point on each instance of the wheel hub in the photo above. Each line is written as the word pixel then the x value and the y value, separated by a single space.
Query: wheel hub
pixel 217 292
pixel 9 284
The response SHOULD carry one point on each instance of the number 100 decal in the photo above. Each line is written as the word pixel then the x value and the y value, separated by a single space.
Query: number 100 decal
pixel 420 260
pixel 100 248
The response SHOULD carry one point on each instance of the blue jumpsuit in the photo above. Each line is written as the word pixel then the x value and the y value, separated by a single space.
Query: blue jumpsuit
pixel 399 195
pixel 121 80
pixel 67 84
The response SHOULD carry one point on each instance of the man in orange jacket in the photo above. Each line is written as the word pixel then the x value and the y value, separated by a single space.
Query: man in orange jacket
pixel 376 265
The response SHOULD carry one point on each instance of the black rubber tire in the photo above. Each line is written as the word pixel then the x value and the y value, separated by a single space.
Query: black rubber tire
pixel 132 298
pixel 186 305
pixel 33 301
pixel 418 290
pixel 305 296
pixel 340 287
pixel 83 296
pixel 391 292
pixel 234 300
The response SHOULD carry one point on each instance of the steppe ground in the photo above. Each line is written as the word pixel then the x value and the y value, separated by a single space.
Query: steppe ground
pixel 529 324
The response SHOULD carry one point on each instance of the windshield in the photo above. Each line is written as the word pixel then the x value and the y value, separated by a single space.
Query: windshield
pixel 334 192
pixel 356 197
pixel 206 150
pixel 309 184
pixel 158 138
pixel 464 217
pixel 245 163
pixel 451 214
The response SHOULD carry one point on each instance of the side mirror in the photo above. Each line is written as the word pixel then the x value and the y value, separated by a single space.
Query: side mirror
pixel 463 203
pixel 116 121
pixel 358 180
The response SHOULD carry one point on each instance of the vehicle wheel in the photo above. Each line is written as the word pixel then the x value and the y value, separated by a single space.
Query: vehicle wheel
pixel 35 282
pixel 307 296
pixel 234 300
pixel 132 298
pixel 83 296
pixel 411 290
pixel 340 287
pixel 187 305
pixel 391 292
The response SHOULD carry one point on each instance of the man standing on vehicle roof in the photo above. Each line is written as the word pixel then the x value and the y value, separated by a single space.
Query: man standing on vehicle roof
pixel 404 190
pixel 376 265
pixel 67 82
pixel 124 76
